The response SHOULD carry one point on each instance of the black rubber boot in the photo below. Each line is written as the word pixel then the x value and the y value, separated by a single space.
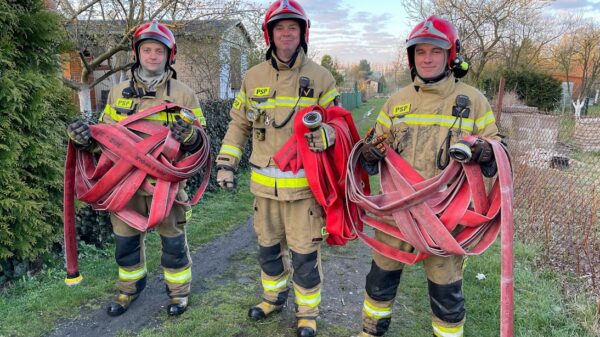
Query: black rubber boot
pixel 177 306
pixel 306 327
pixel 263 310
pixel 121 304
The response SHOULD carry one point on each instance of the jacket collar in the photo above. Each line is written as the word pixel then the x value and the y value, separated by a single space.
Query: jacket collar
pixel 296 62
pixel 443 88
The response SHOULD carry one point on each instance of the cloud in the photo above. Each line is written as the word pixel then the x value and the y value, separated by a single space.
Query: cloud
pixel 576 5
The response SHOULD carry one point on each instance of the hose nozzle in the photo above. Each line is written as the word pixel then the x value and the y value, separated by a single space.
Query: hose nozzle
pixel 312 120
pixel 460 151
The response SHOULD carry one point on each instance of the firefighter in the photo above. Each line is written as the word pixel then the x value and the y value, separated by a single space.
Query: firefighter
pixel 287 220
pixel 420 122
pixel 152 83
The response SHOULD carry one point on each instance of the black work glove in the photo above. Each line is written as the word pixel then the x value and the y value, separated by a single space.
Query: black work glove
pixel 183 132
pixel 373 150
pixel 79 132
pixel 482 152
pixel 320 139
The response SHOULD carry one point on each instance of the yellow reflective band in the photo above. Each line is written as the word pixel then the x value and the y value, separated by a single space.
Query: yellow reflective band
pixel 384 120
pixel 307 101
pixel 133 275
pixel 324 137
pixel 159 116
pixel 280 182
pixel 231 150
pixel 488 118
pixel 328 97
pixel 376 312
pixel 262 91
pixel 180 277
pixel 441 331
pixel 308 300
pixel 276 285
pixel 426 119
pixel 199 115
pixel 188 215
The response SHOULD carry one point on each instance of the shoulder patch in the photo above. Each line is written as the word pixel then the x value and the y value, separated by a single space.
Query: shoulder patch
pixel 262 91
pixel 401 109
pixel 124 103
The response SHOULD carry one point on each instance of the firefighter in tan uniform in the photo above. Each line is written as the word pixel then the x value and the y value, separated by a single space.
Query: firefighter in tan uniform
pixel 420 122
pixel 286 215
pixel 153 82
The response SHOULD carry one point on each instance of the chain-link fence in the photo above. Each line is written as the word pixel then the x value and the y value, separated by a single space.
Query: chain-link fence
pixel 556 161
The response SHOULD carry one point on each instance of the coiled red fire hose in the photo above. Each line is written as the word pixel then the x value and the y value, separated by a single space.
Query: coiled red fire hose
pixel 126 160
pixel 326 171
pixel 427 212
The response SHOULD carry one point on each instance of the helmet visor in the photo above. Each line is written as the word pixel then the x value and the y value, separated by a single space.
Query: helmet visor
pixel 430 40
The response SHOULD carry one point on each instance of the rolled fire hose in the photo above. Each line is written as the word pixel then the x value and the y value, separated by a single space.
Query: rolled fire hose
pixel 449 214
pixel 126 160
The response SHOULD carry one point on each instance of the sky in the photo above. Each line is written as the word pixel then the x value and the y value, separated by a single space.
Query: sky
pixel 351 30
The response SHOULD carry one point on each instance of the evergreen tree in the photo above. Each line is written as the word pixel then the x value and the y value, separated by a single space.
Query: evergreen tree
pixel 34 110
pixel 330 64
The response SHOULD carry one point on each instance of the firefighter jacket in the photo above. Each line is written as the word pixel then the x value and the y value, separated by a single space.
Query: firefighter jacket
pixel 129 97
pixel 418 117
pixel 271 93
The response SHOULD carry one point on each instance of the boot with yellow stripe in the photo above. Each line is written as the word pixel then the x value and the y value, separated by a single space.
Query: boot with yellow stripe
pixel 306 327
pixel 177 305
pixel 121 304
pixel 263 310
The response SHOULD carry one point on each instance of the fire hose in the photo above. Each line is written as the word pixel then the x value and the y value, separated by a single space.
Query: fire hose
pixel 325 171
pixel 449 214
pixel 126 161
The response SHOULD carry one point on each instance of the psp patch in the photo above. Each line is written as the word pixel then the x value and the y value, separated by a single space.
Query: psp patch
pixel 259 92
pixel 401 109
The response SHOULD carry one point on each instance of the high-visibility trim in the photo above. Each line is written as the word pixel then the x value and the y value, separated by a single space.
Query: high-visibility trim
pixel 240 100
pixel 328 97
pixel 275 285
pixel 188 215
pixel 312 300
pixel 160 116
pixel 488 118
pixel 284 101
pixel 324 137
pixel 231 150
pixel 376 312
pixel 180 277
pixel 273 177
pixel 133 275
pixel 430 119
pixel 199 115
pixel 442 331
pixel 384 120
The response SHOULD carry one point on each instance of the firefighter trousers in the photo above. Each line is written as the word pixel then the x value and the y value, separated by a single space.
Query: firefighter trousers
pixel 444 278
pixel 289 235
pixel 175 257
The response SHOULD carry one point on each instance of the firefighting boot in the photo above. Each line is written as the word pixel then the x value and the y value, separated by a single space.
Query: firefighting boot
pixel 121 304
pixel 307 327
pixel 177 306
pixel 263 309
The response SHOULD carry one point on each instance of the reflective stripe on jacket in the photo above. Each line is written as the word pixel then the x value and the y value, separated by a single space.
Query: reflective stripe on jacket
pixel 268 95
pixel 418 117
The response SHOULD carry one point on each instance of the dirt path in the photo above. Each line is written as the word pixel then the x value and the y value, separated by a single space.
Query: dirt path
pixel 344 267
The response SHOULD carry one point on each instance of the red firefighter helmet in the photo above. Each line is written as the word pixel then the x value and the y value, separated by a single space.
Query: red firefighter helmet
pixel 285 9
pixel 158 32
pixel 436 31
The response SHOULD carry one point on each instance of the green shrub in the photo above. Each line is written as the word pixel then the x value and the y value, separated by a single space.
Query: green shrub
pixel 35 108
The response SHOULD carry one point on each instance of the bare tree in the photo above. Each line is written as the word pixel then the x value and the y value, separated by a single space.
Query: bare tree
pixel 482 25
pixel 587 54
pixel 102 31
